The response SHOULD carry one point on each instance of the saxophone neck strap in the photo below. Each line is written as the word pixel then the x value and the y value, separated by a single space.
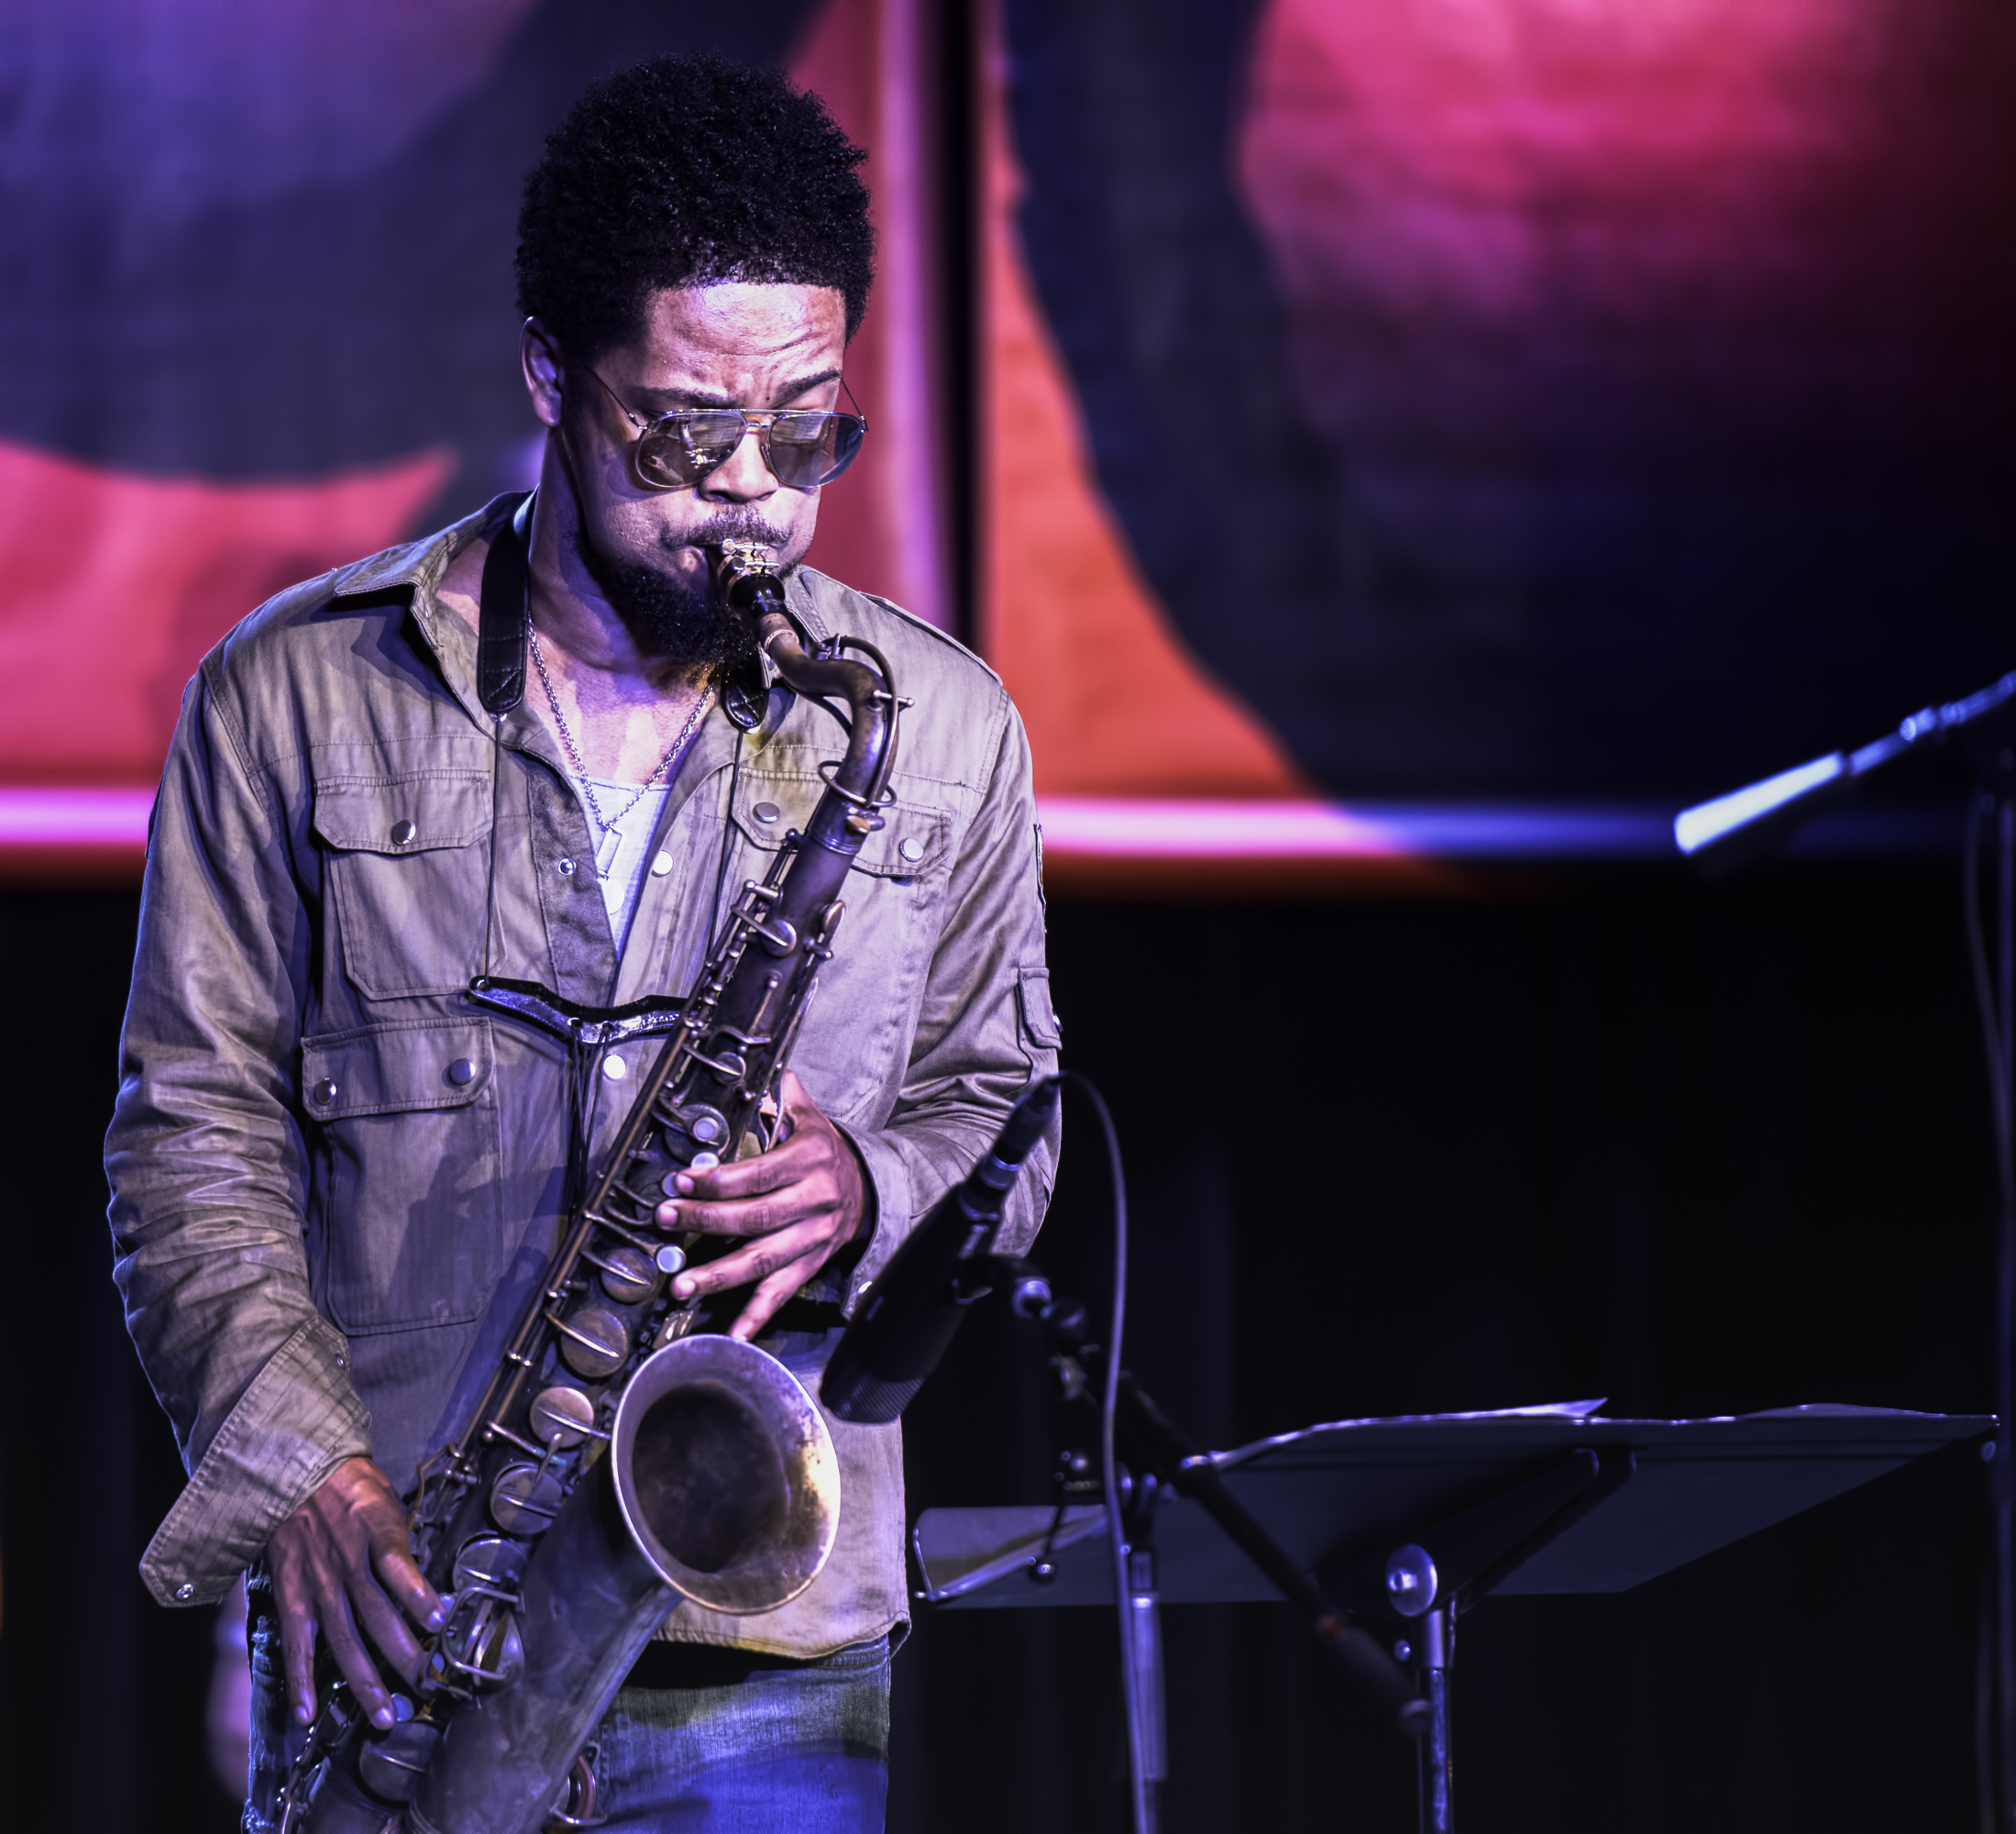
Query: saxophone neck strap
pixel 506 614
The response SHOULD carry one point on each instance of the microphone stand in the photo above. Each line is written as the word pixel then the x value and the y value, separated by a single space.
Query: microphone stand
pixel 1724 834
pixel 1160 1455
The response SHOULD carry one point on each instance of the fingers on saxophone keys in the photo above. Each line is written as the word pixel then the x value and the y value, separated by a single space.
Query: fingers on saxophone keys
pixel 339 1630
pixel 757 1262
pixel 745 1217
pixel 399 1573
pixel 770 1294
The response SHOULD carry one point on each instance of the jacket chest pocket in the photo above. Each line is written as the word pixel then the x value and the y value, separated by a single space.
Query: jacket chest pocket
pixel 406 879
pixel 413 1230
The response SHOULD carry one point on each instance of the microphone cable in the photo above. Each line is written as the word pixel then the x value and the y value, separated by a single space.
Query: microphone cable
pixel 1116 1523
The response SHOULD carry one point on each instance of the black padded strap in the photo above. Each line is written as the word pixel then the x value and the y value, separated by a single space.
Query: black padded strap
pixel 506 610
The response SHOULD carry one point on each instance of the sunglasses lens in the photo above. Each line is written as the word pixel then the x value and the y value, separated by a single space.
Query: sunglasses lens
pixel 804 450
pixel 848 431
pixel 685 448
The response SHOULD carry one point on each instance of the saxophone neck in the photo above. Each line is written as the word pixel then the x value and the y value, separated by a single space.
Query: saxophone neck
pixel 749 582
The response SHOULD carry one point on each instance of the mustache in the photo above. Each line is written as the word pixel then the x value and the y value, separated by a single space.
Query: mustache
pixel 744 525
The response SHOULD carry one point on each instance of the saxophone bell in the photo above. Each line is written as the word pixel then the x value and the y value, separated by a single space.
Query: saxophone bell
pixel 720 1486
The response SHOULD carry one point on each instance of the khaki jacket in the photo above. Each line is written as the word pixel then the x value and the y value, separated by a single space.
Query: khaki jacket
pixel 322 1237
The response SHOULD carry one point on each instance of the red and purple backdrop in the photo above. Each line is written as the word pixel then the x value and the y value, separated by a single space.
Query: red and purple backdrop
pixel 1335 409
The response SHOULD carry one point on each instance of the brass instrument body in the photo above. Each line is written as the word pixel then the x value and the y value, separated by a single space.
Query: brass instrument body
pixel 553 1525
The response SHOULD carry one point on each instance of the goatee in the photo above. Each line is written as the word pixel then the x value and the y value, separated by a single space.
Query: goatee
pixel 686 625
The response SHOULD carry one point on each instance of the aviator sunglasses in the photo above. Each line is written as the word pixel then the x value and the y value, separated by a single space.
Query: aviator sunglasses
pixel 803 447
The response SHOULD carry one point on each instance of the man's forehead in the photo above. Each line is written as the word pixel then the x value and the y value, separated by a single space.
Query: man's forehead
pixel 742 318
pixel 734 340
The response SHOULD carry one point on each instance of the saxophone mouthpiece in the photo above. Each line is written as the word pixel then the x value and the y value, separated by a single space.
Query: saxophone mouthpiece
pixel 748 577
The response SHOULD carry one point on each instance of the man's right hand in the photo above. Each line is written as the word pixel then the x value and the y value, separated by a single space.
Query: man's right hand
pixel 344 1559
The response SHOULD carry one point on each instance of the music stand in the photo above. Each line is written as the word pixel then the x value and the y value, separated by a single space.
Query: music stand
pixel 1411 1521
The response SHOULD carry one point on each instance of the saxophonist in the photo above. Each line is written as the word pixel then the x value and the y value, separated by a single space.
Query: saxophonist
pixel 336 1179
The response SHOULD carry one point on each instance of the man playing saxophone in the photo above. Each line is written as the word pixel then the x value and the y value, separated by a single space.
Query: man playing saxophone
pixel 337 1177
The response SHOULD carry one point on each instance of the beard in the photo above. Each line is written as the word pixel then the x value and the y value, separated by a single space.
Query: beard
pixel 684 625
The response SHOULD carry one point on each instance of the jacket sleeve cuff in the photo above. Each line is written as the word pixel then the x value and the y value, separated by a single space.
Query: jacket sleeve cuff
pixel 888 1175
pixel 297 1421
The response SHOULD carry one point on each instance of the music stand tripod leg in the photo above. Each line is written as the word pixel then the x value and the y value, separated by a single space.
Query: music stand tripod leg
pixel 1434 1646
pixel 1144 1634
pixel 1144 1627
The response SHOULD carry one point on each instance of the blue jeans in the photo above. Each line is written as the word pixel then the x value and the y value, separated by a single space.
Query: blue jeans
pixel 779 1747
pixel 730 1743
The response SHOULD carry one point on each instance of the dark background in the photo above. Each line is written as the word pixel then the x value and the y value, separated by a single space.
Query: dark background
pixel 1701 1151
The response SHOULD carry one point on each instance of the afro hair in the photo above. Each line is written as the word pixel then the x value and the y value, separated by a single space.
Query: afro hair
pixel 684 172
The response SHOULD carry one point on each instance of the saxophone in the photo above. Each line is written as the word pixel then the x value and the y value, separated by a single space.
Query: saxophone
pixel 622 1459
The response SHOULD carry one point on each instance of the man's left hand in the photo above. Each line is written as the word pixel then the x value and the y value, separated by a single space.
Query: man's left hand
pixel 799 1203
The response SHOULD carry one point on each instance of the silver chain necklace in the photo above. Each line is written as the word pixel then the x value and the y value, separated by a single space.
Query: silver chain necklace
pixel 610 845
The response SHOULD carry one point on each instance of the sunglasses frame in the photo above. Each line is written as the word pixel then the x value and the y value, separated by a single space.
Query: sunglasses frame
pixel 758 421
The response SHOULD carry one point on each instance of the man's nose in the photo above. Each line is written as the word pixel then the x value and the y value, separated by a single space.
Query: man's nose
pixel 743 477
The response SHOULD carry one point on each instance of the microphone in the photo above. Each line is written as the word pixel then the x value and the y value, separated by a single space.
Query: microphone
pixel 907 1321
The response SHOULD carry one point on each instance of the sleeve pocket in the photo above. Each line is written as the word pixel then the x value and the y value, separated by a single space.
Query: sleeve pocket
pixel 1039 1017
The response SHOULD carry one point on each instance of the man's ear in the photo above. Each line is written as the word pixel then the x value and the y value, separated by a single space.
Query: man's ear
pixel 546 374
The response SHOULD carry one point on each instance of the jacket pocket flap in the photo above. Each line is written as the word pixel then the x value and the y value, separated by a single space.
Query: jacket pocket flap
pixel 402 814
pixel 1039 1016
pixel 389 1069
pixel 912 841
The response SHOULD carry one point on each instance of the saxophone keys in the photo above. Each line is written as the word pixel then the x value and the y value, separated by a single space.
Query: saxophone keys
pixel 563 1416
pixel 524 1499
pixel 489 1567
pixel 392 1765
pixel 594 1343
pixel 574 1805
pixel 628 1277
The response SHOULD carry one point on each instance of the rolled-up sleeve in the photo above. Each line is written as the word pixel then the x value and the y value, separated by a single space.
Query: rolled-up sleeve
pixel 207 1167
pixel 986 1029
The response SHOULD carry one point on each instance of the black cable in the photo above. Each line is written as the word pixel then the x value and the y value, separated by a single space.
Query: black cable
pixel 1116 1525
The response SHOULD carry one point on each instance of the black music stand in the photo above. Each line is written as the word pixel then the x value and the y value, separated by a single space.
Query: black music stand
pixel 1410 1522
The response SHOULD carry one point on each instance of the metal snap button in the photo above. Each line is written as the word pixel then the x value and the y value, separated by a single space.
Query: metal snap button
pixel 767 812
pixel 323 1092
pixel 616 1069
pixel 461 1072
pixel 567 868
pixel 912 851
pixel 661 866
pixel 185 1592
pixel 402 831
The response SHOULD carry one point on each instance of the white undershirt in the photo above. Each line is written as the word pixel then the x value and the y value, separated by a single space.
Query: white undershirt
pixel 624 882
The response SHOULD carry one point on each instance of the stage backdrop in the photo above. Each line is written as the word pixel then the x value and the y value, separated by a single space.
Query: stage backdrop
pixel 1356 433
pixel 257 320
pixel 1515 401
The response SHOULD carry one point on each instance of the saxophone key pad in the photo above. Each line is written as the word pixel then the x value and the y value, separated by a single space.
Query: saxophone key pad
pixel 594 1342
pixel 489 1563
pixel 392 1766
pixel 561 1416
pixel 671 1258
pixel 628 1277
pixel 524 1499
